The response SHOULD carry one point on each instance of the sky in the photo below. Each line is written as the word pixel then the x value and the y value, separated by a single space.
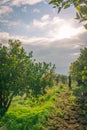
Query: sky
pixel 53 37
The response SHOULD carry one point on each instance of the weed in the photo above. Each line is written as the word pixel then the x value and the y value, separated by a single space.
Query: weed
pixel 72 99
pixel 29 114
pixel 59 113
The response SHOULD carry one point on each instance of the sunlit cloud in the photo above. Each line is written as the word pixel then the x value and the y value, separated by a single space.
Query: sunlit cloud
pixel 45 17
pixel 53 28
pixel 73 42
pixel 5 10
pixel 24 2
pixel 57 28
pixel 38 24
pixel 76 54
pixel 77 45
pixel 5 36
pixel 43 22
pixel 65 31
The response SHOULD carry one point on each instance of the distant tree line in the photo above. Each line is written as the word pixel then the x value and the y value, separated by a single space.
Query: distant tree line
pixel 60 78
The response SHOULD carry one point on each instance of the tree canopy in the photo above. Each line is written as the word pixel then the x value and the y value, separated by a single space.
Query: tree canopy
pixel 79 5
pixel 20 74
pixel 78 69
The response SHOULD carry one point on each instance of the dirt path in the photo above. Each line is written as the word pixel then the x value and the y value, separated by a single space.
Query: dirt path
pixel 70 112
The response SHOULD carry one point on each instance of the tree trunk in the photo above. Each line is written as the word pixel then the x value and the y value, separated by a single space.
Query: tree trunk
pixel 4 104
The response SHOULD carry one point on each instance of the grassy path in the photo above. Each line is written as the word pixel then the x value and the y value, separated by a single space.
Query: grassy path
pixel 59 109
pixel 70 111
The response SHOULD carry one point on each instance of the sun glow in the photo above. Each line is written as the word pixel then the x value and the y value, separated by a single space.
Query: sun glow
pixel 66 31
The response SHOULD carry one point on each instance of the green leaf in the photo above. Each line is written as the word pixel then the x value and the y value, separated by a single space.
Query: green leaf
pixel 67 6
pixel 52 2
pixel 64 3
pixel 85 25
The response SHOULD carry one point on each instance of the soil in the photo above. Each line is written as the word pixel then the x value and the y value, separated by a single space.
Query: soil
pixel 72 115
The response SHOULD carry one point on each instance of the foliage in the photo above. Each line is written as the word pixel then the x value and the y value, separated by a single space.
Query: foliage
pixel 43 75
pixel 19 74
pixel 61 79
pixel 72 99
pixel 59 113
pixel 79 5
pixel 29 114
pixel 12 72
pixel 78 69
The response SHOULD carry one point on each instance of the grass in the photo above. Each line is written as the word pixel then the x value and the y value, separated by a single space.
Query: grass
pixel 32 113
pixel 29 114
pixel 72 99
pixel 59 113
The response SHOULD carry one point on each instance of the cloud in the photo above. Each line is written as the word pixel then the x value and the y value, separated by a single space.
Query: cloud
pixel 60 52
pixel 24 9
pixel 4 36
pixel 36 10
pixel 24 2
pixel 25 40
pixel 43 22
pixel 21 2
pixel 65 31
pixel 49 27
pixel 57 28
pixel 4 1
pixel 49 22
pixel 5 10
pixel 45 17
pixel 76 54
pixel 39 24
pixel 72 42
pixel 16 24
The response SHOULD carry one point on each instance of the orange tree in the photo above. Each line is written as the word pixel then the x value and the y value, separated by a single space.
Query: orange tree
pixel 19 74
pixel 78 69
pixel 42 75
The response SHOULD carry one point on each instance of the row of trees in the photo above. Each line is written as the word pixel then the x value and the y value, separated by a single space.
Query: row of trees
pixel 20 74
pixel 60 78
pixel 78 69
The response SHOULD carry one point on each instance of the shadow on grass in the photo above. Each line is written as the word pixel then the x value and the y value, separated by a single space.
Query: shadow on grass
pixel 81 102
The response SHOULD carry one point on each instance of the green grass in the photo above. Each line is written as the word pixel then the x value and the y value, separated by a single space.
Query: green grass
pixel 72 99
pixel 29 114
pixel 59 113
